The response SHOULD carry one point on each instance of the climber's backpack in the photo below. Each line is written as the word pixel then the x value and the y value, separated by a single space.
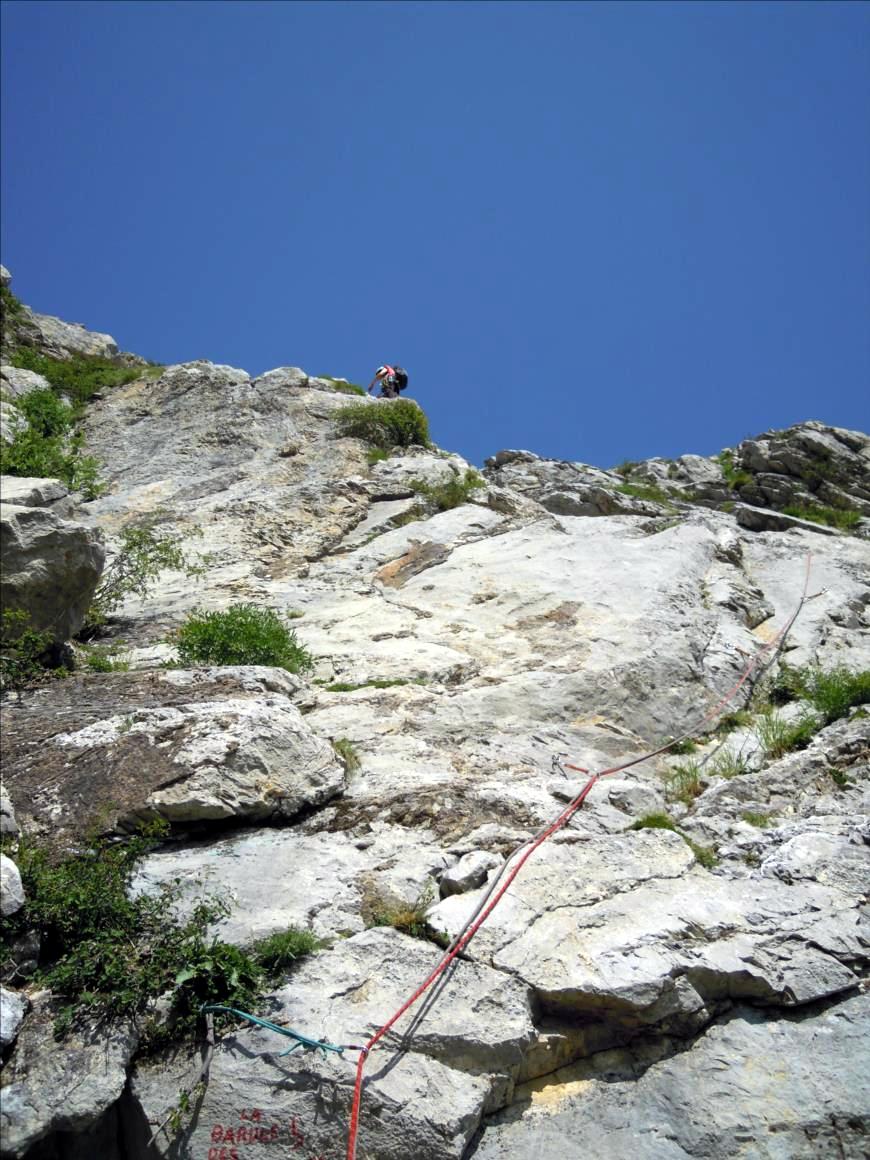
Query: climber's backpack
pixel 401 377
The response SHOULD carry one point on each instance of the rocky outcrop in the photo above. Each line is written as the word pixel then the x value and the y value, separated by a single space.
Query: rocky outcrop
pixel 46 1090
pixel 204 746
pixel 629 975
pixel 51 568
pixel 11 890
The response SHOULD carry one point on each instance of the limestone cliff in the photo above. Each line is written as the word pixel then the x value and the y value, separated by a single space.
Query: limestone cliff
pixel 634 994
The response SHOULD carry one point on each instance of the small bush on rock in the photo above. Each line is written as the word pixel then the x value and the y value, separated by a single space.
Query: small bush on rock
pixel 387 423
pixel 280 951
pixel 105 954
pixel 78 377
pixel 23 652
pixel 243 634
pixel 141 557
pixel 445 496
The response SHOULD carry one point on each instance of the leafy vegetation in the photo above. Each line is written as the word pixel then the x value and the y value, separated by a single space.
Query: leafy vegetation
pixel 376 455
pixel 647 491
pixel 444 496
pixel 735 476
pixel 141 557
pixel 347 754
pixel 243 634
pixel 832 693
pixel 385 424
pixel 104 659
pixel 23 652
pixel 705 855
pixel 681 748
pixel 656 821
pixel 11 306
pixel 105 954
pixel 46 448
pixel 843 518
pixel 79 377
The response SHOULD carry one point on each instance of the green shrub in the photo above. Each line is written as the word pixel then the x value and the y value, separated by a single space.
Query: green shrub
pixel 45 412
pixel 376 455
pixel 647 491
pixel 385 423
pixel 842 518
pixel 10 306
pixel 835 692
pixel 705 855
pixel 23 652
pixel 755 819
pixel 280 951
pixel 347 754
pixel 681 748
pixel 243 634
pixel 105 954
pixel 735 477
pixel 445 496
pixel 141 557
pixel 51 456
pixel 78 377
pixel 654 822
pixel 776 736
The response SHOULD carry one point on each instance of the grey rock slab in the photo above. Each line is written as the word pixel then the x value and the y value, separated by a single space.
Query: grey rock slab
pixel 59 1088
pixel 5 277
pixel 13 1007
pixel 469 872
pixel 476 1019
pixel 51 568
pixel 8 823
pixel 25 491
pixel 638 918
pixel 16 381
pixel 753 1085
pixel 64 338
pixel 209 745
pixel 330 883
pixel 12 896
pixel 299 1105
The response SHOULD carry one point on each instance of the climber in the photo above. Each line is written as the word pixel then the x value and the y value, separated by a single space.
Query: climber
pixel 392 380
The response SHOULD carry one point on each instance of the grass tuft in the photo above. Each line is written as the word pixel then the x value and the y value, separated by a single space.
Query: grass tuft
pixel 385 423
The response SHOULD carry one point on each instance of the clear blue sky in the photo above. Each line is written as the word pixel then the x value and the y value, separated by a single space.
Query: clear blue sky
pixel 597 231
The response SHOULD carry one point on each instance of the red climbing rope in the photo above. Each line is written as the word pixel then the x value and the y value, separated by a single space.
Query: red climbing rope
pixel 499 888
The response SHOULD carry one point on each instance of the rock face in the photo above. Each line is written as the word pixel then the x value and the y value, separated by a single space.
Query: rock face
pixel 631 975
pixel 188 746
pixel 51 568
